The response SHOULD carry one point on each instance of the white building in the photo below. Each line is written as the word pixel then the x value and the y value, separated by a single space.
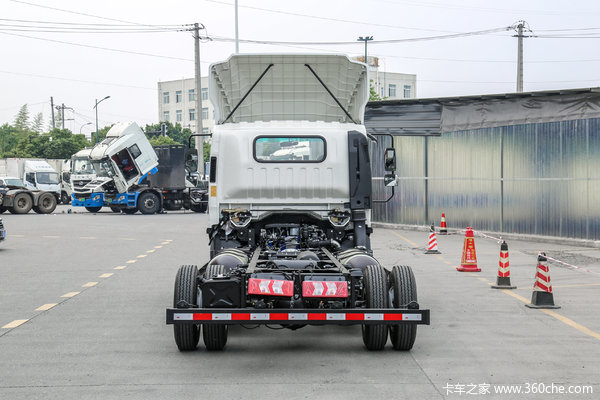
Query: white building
pixel 177 101
pixel 177 104
pixel 390 85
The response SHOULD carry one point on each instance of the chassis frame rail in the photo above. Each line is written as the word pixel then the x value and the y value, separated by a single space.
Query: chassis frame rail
pixel 230 316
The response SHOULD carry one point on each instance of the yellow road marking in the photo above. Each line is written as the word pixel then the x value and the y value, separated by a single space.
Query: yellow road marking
pixel 87 237
pixel 131 261
pixel 15 323
pixel 70 294
pixel 19 236
pixel 121 267
pixel 566 286
pixel 151 251
pixel 45 307
pixel 448 262
pixel 485 280
pixel 127 239
pixel 50 237
pixel 439 257
pixel 89 284
pixel 559 317
pixel 165 242
pixel 168 240
pixel 405 239
pixel 107 275
pixel 142 255
pixel 157 247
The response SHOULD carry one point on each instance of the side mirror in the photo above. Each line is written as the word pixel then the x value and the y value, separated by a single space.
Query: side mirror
pixel 191 160
pixel 390 180
pixel 389 159
pixel 66 176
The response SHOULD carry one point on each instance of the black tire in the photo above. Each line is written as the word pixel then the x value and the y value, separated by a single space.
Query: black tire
pixel 185 294
pixel 404 285
pixel 129 211
pixel 376 296
pixel 2 209
pixel 215 336
pixel 148 203
pixel 22 204
pixel 199 208
pixel 64 198
pixel 93 209
pixel 115 209
pixel 46 204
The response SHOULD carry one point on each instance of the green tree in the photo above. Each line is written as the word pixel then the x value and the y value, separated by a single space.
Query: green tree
pixel 373 96
pixel 9 138
pixel 22 118
pixel 38 123
pixel 101 134
pixel 161 140
pixel 176 132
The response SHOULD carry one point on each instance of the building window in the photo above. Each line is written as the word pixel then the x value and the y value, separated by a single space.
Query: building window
pixel 192 95
pixel 204 113
pixel 382 91
pixel 178 115
pixel 406 91
pixel 204 93
pixel 178 96
pixel 392 90
pixel 205 130
pixel 192 114
pixel 165 97
pixel 166 116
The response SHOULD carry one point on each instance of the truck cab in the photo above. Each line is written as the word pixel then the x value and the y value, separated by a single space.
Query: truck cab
pixel 38 174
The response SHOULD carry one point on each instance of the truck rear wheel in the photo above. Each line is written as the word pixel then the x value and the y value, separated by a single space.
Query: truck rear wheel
pixel 403 290
pixel 64 198
pixel 130 210
pixel 376 295
pixel 21 204
pixel 185 295
pixel 2 209
pixel 215 336
pixel 148 203
pixel 46 204
pixel 93 209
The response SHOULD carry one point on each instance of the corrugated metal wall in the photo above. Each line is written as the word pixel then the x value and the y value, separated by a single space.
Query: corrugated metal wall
pixel 541 179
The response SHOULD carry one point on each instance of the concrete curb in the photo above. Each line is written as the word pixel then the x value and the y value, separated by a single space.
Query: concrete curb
pixel 503 235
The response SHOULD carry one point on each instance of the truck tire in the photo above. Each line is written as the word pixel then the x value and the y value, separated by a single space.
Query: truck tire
pixel 199 208
pixel 46 204
pixel 404 289
pixel 64 198
pixel 115 209
pixel 376 296
pixel 185 295
pixel 2 209
pixel 93 209
pixel 21 204
pixel 215 336
pixel 148 203
pixel 129 211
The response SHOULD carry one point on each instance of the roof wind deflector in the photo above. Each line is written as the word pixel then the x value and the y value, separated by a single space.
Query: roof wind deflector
pixel 329 91
pixel 248 92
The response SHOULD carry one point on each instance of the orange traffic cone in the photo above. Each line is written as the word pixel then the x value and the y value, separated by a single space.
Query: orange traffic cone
pixel 443 228
pixel 469 257
pixel 503 279
pixel 542 296
pixel 432 247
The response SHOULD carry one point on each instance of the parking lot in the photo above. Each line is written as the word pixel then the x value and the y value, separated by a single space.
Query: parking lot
pixel 82 311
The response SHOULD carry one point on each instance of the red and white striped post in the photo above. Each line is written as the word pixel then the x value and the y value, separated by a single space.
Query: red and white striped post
pixel 503 278
pixel 432 246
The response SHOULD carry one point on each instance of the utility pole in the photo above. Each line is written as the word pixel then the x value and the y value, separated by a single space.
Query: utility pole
pixel 198 140
pixel 519 27
pixel 52 111
pixel 366 40
pixel 237 37
pixel 62 108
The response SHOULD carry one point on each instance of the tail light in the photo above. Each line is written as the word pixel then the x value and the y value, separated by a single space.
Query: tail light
pixel 270 287
pixel 324 289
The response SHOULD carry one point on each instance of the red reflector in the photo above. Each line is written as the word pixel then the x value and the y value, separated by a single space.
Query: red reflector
pixel 270 287
pixel 317 316
pixel 355 317
pixel 240 316
pixel 325 289
pixel 278 317
pixel 202 316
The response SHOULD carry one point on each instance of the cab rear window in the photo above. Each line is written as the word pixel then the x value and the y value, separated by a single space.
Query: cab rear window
pixel 289 149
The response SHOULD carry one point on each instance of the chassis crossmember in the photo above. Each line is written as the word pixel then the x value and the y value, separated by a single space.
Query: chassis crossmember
pixel 383 316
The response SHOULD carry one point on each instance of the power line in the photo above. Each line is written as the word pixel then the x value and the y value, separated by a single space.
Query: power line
pixel 98 47
pixel 75 80
pixel 91 24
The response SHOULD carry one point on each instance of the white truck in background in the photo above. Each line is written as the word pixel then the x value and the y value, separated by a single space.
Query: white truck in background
pixel 37 174
pixel 76 170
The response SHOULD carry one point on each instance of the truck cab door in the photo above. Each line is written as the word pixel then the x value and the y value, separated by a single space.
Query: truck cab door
pixel 30 180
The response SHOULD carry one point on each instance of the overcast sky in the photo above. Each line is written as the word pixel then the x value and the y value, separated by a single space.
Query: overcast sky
pixel 71 66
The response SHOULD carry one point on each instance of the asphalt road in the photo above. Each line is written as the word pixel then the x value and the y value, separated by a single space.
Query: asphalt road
pixel 82 316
